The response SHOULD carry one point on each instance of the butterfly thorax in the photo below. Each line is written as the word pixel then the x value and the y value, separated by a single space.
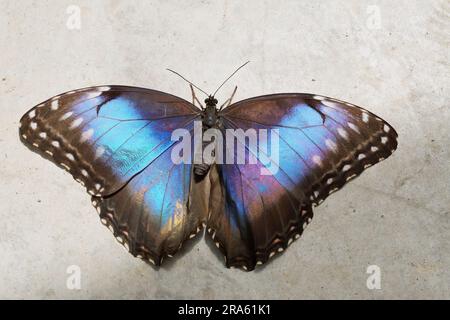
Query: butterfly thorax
pixel 210 114
pixel 210 119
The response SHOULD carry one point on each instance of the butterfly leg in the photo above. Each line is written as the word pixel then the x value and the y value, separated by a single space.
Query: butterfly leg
pixel 194 97
pixel 229 100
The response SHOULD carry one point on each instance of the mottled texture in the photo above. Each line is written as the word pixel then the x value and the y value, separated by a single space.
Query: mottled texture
pixel 395 215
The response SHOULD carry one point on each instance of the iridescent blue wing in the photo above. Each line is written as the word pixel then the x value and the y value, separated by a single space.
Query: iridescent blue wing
pixel 116 140
pixel 323 143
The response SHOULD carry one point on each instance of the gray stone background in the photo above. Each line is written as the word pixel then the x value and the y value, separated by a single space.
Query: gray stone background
pixel 390 56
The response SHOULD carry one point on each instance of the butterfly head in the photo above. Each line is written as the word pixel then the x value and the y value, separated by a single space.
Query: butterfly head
pixel 211 101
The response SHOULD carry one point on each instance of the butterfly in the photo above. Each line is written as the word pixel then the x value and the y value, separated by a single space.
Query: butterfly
pixel 117 142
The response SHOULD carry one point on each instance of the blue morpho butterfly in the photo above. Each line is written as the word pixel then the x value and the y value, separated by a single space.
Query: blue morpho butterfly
pixel 116 141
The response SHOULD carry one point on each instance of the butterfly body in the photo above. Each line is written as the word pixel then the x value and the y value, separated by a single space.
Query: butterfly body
pixel 116 141
pixel 210 119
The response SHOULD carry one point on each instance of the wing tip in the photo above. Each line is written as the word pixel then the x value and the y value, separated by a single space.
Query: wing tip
pixel 376 149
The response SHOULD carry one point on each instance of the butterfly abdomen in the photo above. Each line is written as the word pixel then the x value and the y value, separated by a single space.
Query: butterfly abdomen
pixel 201 169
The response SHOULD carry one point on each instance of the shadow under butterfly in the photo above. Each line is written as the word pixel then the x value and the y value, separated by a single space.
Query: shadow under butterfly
pixel 116 141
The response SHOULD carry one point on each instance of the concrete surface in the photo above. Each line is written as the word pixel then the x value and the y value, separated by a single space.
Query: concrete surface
pixel 395 216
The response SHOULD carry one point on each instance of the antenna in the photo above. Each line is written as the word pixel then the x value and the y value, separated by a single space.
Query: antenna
pixel 190 82
pixel 230 77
